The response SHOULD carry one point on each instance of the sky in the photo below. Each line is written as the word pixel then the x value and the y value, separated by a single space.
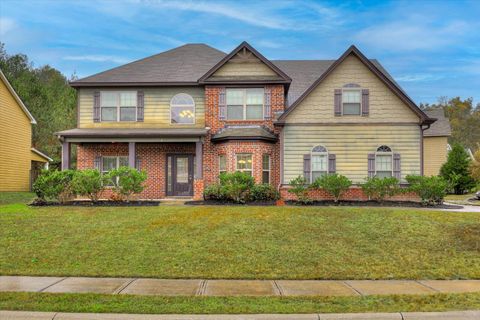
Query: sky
pixel 432 48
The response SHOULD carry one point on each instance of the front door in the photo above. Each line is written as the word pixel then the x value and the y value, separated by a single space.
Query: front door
pixel 180 175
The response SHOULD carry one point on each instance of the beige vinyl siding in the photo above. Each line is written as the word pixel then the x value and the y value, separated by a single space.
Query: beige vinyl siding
pixel 385 106
pixel 351 144
pixel 15 144
pixel 157 108
pixel 435 154
pixel 254 68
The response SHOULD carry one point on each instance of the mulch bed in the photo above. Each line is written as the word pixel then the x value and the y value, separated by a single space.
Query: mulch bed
pixel 372 203
pixel 222 203
pixel 100 203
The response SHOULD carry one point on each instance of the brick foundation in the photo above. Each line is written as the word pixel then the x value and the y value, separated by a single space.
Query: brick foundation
pixel 354 193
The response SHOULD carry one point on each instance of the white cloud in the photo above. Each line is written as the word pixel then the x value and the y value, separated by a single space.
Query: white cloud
pixel 6 25
pixel 419 77
pixel 96 58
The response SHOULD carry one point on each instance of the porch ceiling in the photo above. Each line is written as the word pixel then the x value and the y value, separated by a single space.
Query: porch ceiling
pixel 134 135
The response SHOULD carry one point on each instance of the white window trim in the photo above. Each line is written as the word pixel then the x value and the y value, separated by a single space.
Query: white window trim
pixel 117 165
pixel 236 162
pixel 184 105
pixel 269 167
pixel 312 154
pixel 245 104
pixel 390 154
pixel 226 164
pixel 118 92
pixel 359 90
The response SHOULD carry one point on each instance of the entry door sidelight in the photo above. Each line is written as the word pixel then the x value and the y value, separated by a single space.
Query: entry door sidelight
pixel 180 175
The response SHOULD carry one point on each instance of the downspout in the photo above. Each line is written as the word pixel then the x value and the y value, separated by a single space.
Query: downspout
pixel 281 160
pixel 422 129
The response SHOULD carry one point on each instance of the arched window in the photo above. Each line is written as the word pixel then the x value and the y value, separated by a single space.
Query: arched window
pixel 319 162
pixel 182 109
pixel 383 162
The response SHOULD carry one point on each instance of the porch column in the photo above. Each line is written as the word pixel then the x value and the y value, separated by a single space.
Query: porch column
pixel 199 159
pixel 131 154
pixel 66 155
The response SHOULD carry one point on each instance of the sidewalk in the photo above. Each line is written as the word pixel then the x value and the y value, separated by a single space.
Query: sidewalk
pixel 453 315
pixel 172 287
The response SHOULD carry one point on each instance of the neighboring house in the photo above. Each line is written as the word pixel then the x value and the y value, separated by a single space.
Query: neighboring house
pixel 435 142
pixel 17 157
pixel 188 114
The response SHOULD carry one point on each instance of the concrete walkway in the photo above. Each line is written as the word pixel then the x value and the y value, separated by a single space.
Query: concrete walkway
pixel 453 315
pixel 170 287
pixel 466 208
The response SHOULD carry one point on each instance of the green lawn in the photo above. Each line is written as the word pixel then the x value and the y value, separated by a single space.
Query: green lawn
pixel 236 305
pixel 16 197
pixel 239 242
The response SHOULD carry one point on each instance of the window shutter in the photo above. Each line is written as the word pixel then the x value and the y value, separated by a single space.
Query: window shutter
pixel 371 165
pixel 332 166
pixel 96 106
pixel 306 167
pixel 396 166
pixel 222 105
pixel 365 102
pixel 140 106
pixel 268 104
pixel 338 102
pixel 138 163
pixel 97 163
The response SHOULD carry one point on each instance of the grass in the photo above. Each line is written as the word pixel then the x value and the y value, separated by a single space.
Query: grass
pixel 101 303
pixel 239 242
pixel 16 197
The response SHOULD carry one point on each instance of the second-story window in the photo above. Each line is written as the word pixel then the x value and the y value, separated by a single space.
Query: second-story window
pixel 118 105
pixel 182 109
pixel 351 102
pixel 245 104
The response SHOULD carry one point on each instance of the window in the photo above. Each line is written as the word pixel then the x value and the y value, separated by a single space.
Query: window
pixel 319 162
pixel 383 162
pixel 244 163
pixel 118 105
pixel 182 109
pixel 245 104
pixel 266 168
pixel 351 102
pixel 222 163
pixel 110 163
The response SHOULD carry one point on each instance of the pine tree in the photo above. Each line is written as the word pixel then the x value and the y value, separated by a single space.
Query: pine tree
pixel 456 170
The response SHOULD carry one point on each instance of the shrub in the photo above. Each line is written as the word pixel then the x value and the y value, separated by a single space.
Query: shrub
pixel 380 188
pixel 431 190
pixel 236 186
pixel 54 185
pixel 88 183
pixel 475 166
pixel 264 192
pixel 299 188
pixel 214 192
pixel 456 170
pixel 334 184
pixel 127 181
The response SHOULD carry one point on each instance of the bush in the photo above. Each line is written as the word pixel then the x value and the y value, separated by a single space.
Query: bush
pixel 264 192
pixel 431 190
pixel 380 188
pixel 54 185
pixel 456 170
pixel 299 188
pixel 214 192
pixel 88 183
pixel 236 186
pixel 127 181
pixel 334 184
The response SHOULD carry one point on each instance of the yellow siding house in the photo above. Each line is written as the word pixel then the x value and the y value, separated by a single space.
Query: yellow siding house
pixel 17 157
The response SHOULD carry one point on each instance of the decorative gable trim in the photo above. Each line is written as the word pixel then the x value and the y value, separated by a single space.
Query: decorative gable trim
pixel 391 85
pixel 17 98
pixel 284 78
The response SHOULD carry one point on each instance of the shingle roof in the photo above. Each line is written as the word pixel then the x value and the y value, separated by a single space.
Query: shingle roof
pixel 244 132
pixel 441 127
pixel 130 133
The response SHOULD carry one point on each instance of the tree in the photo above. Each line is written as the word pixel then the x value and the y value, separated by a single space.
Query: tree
pixel 47 95
pixel 475 166
pixel 456 170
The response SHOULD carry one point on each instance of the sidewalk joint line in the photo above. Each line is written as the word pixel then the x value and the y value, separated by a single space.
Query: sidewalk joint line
pixel 124 286
pixel 318 315
pixel 348 285
pixel 279 288
pixel 55 315
pixel 51 285
pixel 427 286
pixel 202 287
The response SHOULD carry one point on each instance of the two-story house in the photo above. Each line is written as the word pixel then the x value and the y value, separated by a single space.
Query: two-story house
pixel 188 114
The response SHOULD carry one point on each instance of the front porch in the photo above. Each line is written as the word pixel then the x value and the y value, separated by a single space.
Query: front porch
pixel 172 159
